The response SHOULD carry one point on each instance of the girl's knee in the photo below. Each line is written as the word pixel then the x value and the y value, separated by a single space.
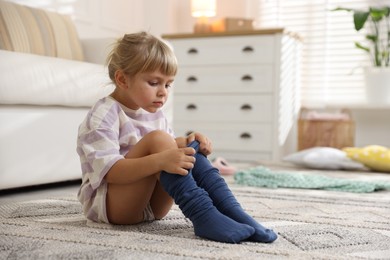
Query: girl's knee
pixel 159 134
pixel 161 139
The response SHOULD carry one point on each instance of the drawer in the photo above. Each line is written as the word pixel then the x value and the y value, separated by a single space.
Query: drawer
pixel 225 50
pixel 225 79
pixel 221 108
pixel 234 137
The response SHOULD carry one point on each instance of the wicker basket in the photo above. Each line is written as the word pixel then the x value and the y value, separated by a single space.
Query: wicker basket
pixel 337 133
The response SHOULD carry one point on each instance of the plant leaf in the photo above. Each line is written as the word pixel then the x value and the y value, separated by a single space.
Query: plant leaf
pixel 372 37
pixel 377 13
pixel 358 45
pixel 360 18
pixel 342 9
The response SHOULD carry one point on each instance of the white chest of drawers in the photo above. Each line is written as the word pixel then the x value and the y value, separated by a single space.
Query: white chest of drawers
pixel 240 90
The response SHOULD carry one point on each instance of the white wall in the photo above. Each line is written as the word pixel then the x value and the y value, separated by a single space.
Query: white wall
pixel 116 17
pixel 372 126
pixel 113 18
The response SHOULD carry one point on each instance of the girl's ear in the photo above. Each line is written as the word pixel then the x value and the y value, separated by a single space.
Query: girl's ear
pixel 121 79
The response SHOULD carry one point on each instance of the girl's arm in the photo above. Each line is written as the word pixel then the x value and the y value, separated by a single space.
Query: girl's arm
pixel 130 170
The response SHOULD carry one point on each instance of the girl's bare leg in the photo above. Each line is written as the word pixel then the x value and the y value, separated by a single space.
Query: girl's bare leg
pixel 126 202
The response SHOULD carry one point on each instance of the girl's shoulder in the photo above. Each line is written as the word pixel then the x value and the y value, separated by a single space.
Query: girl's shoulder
pixel 104 104
pixel 103 114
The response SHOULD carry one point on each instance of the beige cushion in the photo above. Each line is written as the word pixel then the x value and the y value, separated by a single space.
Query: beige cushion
pixel 36 31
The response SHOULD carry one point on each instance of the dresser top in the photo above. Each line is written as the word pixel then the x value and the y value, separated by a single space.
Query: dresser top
pixel 217 34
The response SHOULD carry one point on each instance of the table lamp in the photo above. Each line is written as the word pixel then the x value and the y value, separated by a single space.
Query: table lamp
pixel 203 9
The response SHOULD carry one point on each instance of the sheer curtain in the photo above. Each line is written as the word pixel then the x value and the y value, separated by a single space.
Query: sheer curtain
pixel 332 67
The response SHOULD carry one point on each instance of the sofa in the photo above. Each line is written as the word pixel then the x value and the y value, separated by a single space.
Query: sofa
pixel 49 78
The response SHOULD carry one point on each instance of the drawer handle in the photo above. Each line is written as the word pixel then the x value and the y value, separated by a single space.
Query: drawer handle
pixel 192 79
pixel 247 78
pixel 192 51
pixel 247 49
pixel 191 107
pixel 246 107
pixel 245 136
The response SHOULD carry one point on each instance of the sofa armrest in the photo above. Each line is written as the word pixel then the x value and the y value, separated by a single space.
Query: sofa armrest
pixel 96 49
pixel 42 80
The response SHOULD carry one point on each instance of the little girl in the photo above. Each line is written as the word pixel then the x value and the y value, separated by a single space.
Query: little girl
pixel 133 167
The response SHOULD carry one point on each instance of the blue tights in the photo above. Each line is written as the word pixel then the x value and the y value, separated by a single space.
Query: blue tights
pixel 196 205
pixel 208 177
pixel 204 198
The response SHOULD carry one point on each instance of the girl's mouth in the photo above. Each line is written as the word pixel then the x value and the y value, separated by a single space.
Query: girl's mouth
pixel 158 104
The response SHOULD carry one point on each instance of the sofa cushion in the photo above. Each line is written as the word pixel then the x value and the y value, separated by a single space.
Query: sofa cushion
pixel 36 31
pixel 51 81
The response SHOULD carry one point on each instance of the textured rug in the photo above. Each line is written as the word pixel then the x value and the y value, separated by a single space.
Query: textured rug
pixel 310 224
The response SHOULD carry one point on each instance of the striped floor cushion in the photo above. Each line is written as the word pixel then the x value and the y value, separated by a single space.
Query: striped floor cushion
pixel 32 30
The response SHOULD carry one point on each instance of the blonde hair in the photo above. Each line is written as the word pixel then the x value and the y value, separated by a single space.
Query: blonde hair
pixel 141 52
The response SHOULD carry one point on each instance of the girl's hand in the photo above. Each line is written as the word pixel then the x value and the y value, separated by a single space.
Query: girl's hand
pixel 178 161
pixel 205 146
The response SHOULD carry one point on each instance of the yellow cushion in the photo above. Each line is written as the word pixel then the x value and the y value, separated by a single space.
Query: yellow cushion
pixel 375 157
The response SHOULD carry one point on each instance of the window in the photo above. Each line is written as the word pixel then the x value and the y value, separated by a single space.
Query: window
pixel 332 67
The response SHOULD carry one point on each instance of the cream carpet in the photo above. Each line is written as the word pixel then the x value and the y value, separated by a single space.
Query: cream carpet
pixel 311 225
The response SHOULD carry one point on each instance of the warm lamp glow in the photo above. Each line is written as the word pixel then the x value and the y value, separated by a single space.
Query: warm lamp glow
pixel 203 8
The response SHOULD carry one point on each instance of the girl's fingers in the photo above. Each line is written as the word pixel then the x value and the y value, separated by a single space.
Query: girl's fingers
pixel 190 138
pixel 189 151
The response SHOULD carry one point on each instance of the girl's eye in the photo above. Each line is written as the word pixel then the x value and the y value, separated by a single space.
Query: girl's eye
pixel 153 83
pixel 158 83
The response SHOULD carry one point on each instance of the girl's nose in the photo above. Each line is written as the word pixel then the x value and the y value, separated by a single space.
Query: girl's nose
pixel 163 91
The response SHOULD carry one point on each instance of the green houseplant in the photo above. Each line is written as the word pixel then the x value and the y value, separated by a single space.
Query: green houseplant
pixel 377 77
pixel 379 37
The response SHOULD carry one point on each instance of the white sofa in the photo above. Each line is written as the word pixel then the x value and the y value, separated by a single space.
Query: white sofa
pixel 45 92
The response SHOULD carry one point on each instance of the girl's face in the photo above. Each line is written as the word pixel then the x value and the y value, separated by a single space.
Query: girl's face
pixel 148 91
